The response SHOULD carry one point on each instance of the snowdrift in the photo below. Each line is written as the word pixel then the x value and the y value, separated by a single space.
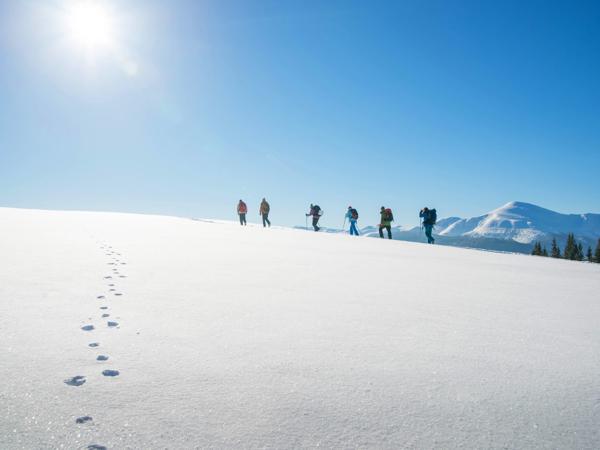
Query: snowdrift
pixel 211 335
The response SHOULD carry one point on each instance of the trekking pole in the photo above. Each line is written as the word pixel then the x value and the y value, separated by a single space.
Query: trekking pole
pixel 344 226
pixel 306 226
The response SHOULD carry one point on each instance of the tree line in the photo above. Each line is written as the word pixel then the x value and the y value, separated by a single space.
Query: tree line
pixel 573 250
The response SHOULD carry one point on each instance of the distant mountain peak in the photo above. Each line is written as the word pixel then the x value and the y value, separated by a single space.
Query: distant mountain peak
pixel 520 206
pixel 525 223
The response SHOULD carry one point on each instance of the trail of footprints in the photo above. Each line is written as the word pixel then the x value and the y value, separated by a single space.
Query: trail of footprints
pixel 115 263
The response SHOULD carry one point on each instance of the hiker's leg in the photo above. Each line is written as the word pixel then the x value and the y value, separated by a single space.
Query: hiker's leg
pixel 428 234
pixel 381 232
pixel 389 230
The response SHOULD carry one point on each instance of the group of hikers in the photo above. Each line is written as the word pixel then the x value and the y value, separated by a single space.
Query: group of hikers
pixel 242 210
pixel 427 216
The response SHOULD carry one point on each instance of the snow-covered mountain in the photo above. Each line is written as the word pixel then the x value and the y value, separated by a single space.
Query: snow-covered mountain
pixel 512 227
pixel 524 223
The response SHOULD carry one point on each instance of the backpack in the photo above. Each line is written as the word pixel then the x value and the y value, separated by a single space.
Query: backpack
pixel 389 215
pixel 354 213
pixel 242 209
pixel 432 216
pixel 317 210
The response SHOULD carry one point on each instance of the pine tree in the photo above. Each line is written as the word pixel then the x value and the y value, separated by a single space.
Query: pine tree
pixel 537 249
pixel 555 251
pixel 590 256
pixel 597 253
pixel 545 252
pixel 570 248
pixel 579 253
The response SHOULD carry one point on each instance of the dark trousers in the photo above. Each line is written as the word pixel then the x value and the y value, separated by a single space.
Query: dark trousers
pixel 428 230
pixel 266 221
pixel 315 222
pixel 389 231
pixel 242 219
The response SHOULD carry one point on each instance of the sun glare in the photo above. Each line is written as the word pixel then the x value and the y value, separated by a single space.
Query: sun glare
pixel 90 25
pixel 93 32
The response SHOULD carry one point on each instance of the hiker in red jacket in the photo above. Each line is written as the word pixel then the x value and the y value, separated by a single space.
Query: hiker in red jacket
pixel 242 209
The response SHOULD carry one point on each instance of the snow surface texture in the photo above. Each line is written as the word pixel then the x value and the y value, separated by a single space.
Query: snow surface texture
pixel 232 337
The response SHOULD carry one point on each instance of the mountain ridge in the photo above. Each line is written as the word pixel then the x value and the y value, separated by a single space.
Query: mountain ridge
pixel 514 226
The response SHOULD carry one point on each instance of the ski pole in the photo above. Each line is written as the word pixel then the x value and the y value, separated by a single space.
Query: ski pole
pixel 306 226
pixel 344 226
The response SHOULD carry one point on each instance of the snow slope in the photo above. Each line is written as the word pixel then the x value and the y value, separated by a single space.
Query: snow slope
pixel 231 337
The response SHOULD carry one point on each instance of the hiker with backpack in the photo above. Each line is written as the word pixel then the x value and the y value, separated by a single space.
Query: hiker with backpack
pixel 242 209
pixel 429 217
pixel 386 221
pixel 316 212
pixel 264 212
pixel 352 216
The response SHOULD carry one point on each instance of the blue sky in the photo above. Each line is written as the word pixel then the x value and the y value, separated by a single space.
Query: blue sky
pixel 461 105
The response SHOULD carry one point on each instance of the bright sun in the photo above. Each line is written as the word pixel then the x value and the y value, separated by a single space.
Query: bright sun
pixel 90 24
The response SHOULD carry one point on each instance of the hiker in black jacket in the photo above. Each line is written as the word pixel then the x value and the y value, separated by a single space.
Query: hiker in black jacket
pixel 315 212
pixel 429 217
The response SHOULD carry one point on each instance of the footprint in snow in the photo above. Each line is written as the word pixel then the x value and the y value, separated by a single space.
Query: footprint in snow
pixel 75 381
pixel 122 276
pixel 118 293
pixel 87 327
pixel 100 297
pixel 112 290
pixel 112 324
pixel 104 307
pixel 105 315
pixel 110 373
pixel 111 284
pixel 108 277
pixel 83 419
pixel 94 344
pixel 102 358
pixel 123 264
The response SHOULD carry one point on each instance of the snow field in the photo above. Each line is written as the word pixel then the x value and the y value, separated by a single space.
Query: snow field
pixel 232 337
